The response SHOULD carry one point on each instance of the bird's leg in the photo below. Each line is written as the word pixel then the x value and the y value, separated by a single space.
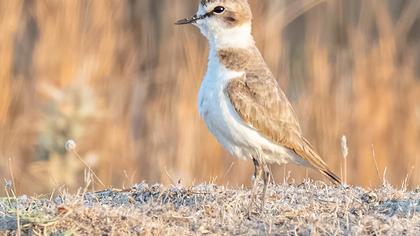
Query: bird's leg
pixel 255 179
pixel 266 179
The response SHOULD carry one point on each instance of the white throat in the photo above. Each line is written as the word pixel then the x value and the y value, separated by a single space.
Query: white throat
pixel 221 37
pixel 236 37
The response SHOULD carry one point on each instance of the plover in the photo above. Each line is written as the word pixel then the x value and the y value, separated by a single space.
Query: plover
pixel 241 101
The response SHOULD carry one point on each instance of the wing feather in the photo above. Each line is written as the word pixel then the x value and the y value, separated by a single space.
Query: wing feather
pixel 259 101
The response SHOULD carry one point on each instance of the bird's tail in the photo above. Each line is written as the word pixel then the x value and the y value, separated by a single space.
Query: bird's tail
pixel 317 163
pixel 331 176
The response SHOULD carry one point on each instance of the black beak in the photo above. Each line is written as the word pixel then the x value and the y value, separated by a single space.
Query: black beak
pixel 189 20
pixel 192 19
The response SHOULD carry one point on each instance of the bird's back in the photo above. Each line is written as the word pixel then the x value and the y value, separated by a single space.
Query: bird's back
pixel 261 104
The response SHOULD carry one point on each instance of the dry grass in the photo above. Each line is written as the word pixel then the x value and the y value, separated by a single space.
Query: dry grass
pixel 311 208
pixel 122 80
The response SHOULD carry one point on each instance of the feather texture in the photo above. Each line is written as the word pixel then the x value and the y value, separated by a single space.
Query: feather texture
pixel 259 101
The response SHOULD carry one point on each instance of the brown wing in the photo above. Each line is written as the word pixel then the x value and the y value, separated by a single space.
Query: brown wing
pixel 259 101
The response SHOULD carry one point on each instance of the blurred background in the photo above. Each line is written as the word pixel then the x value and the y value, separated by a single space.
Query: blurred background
pixel 122 81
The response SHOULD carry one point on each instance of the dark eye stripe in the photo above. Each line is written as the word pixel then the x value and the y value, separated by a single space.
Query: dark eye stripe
pixel 230 19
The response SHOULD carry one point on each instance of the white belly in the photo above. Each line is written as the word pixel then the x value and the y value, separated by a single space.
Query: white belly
pixel 229 129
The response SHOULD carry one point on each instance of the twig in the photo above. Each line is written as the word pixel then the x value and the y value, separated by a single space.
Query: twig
pixel 228 169
pixel 169 176
pixel 13 190
pixel 376 164
pixel 70 146
pixel 344 153
pixel 87 166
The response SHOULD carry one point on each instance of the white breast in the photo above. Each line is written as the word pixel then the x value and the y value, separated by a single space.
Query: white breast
pixel 225 124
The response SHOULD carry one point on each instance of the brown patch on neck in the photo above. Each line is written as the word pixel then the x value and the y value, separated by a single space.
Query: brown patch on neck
pixel 234 58
pixel 236 18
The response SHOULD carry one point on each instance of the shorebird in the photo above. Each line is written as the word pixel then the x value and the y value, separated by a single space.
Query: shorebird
pixel 240 100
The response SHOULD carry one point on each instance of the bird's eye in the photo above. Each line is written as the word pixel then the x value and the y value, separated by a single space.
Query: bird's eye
pixel 219 9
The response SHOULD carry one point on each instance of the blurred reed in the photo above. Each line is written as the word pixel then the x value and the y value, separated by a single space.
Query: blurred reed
pixel 120 79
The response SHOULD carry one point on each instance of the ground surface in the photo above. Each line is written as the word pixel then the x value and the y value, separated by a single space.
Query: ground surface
pixel 306 209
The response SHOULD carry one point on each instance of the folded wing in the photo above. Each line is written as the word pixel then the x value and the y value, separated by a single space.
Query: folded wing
pixel 259 101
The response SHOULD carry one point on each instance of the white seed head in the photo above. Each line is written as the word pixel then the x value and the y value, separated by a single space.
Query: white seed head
pixel 8 184
pixel 70 145
pixel 344 147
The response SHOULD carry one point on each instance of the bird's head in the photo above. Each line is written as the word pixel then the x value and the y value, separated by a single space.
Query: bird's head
pixel 225 23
